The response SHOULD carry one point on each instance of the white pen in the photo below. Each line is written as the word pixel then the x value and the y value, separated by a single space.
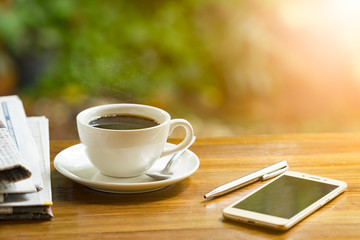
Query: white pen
pixel 262 174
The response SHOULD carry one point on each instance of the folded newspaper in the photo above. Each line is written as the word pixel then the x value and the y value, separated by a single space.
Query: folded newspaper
pixel 25 187
pixel 11 166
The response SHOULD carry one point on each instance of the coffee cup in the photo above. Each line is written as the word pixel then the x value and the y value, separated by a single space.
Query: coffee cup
pixel 125 140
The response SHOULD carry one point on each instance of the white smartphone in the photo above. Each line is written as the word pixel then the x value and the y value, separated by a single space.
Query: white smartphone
pixel 285 201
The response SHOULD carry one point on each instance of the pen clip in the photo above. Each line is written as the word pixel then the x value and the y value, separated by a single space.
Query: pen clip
pixel 274 173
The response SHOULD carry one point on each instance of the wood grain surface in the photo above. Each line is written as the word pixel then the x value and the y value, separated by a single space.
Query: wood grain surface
pixel 180 211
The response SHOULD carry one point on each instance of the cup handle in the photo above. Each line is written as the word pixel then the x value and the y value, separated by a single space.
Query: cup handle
pixel 174 123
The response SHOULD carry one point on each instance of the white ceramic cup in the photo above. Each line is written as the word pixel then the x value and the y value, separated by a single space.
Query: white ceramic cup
pixel 129 153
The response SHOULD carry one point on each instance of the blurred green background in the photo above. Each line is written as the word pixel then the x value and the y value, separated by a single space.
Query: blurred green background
pixel 229 67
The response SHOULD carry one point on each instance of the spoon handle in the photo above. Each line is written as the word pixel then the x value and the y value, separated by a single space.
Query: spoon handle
pixel 178 154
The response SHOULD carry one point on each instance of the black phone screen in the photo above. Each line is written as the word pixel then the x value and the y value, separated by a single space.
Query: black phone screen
pixel 285 197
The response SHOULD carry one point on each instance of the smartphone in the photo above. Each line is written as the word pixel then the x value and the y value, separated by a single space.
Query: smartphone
pixel 285 201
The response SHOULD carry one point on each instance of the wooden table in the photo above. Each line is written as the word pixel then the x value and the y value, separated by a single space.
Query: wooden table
pixel 180 212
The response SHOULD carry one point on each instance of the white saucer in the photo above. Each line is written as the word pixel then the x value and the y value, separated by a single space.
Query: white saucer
pixel 73 163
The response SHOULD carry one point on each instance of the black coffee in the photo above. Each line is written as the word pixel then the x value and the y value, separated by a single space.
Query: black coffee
pixel 122 122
